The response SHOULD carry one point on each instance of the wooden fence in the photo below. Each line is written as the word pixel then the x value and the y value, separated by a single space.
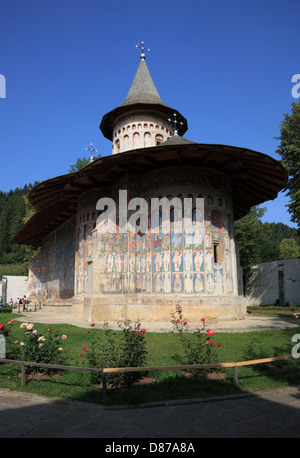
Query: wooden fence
pixel 109 370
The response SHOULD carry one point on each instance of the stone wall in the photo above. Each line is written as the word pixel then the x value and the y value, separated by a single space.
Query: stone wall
pixel 121 275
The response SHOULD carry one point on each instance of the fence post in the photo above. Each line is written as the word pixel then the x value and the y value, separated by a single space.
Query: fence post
pixel 104 385
pixel 23 375
pixel 235 376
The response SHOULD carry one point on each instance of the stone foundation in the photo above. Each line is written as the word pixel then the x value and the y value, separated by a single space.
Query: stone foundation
pixel 154 309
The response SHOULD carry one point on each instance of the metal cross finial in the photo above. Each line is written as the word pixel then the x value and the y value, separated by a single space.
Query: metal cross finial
pixel 91 151
pixel 176 123
pixel 143 50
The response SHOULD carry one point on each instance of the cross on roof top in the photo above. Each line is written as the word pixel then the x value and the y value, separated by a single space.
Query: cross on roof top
pixel 143 50
pixel 91 151
pixel 176 122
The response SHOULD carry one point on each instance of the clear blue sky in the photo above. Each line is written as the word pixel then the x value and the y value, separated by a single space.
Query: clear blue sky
pixel 225 65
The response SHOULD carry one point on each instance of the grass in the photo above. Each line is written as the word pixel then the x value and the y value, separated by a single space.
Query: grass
pixel 271 310
pixel 163 349
pixel 12 269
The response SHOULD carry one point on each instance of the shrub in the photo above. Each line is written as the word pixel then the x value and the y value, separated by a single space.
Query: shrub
pixel 118 349
pixel 12 349
pixel 197 344
pixel 42 348
pixel 5 308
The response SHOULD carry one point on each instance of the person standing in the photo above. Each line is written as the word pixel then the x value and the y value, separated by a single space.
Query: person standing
pixel 24 304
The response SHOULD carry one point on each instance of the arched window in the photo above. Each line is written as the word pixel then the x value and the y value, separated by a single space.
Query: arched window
pixel 136 136
pixel 147 139
pixel 126 143
pixel 117 146
pixel 85 232
pixel 216 219
pixel 158 139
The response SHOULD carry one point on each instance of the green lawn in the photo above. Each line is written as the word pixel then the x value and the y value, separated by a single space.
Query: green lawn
pixel 163 349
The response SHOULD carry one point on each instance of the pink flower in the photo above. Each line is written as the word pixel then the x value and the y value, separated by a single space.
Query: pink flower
pixel 64 337
pixel 80 354
pixel 207 342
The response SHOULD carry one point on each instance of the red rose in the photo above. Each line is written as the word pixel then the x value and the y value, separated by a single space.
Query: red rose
pixel 219 345
pixel 93 324
pixel 142 330
pixel 1 326
pixel 185 322
pixel 202 319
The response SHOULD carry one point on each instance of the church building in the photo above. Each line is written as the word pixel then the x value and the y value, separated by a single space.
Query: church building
pixel 98 271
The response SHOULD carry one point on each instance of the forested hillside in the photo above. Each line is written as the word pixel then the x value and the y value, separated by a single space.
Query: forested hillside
pixel 14 211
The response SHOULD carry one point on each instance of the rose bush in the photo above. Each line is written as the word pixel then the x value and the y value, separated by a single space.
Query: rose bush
pixel 117 349
pixel 197 344
pixel 42 348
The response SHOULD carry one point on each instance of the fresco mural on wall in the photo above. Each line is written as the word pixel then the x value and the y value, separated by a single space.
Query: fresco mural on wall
pixel 52 272
pixel 182 260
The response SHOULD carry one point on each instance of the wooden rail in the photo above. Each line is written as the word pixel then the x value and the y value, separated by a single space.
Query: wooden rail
pixel 109 370
pixel 46 365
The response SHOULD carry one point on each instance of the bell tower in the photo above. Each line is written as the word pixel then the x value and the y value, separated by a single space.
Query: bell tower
pixel 143 119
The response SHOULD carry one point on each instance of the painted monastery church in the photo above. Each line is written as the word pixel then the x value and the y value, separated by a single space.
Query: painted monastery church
pixel 114 275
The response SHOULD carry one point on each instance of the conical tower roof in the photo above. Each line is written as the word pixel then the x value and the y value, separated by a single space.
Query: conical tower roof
pixel 142 89
pixel 142 94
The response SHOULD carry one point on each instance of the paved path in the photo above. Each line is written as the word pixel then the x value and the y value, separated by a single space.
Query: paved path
pixel 250 323
pixel 266 414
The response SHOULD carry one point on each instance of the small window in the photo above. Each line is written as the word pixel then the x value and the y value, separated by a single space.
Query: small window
pixel 217 252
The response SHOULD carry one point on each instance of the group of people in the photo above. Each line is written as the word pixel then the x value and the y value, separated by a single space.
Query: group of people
pixel 21 301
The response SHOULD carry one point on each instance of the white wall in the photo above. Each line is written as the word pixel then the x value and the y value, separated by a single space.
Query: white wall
pixel 16 287
pixel 275 281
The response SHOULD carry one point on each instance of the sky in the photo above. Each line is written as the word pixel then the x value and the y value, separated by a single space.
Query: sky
pixel 226 66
